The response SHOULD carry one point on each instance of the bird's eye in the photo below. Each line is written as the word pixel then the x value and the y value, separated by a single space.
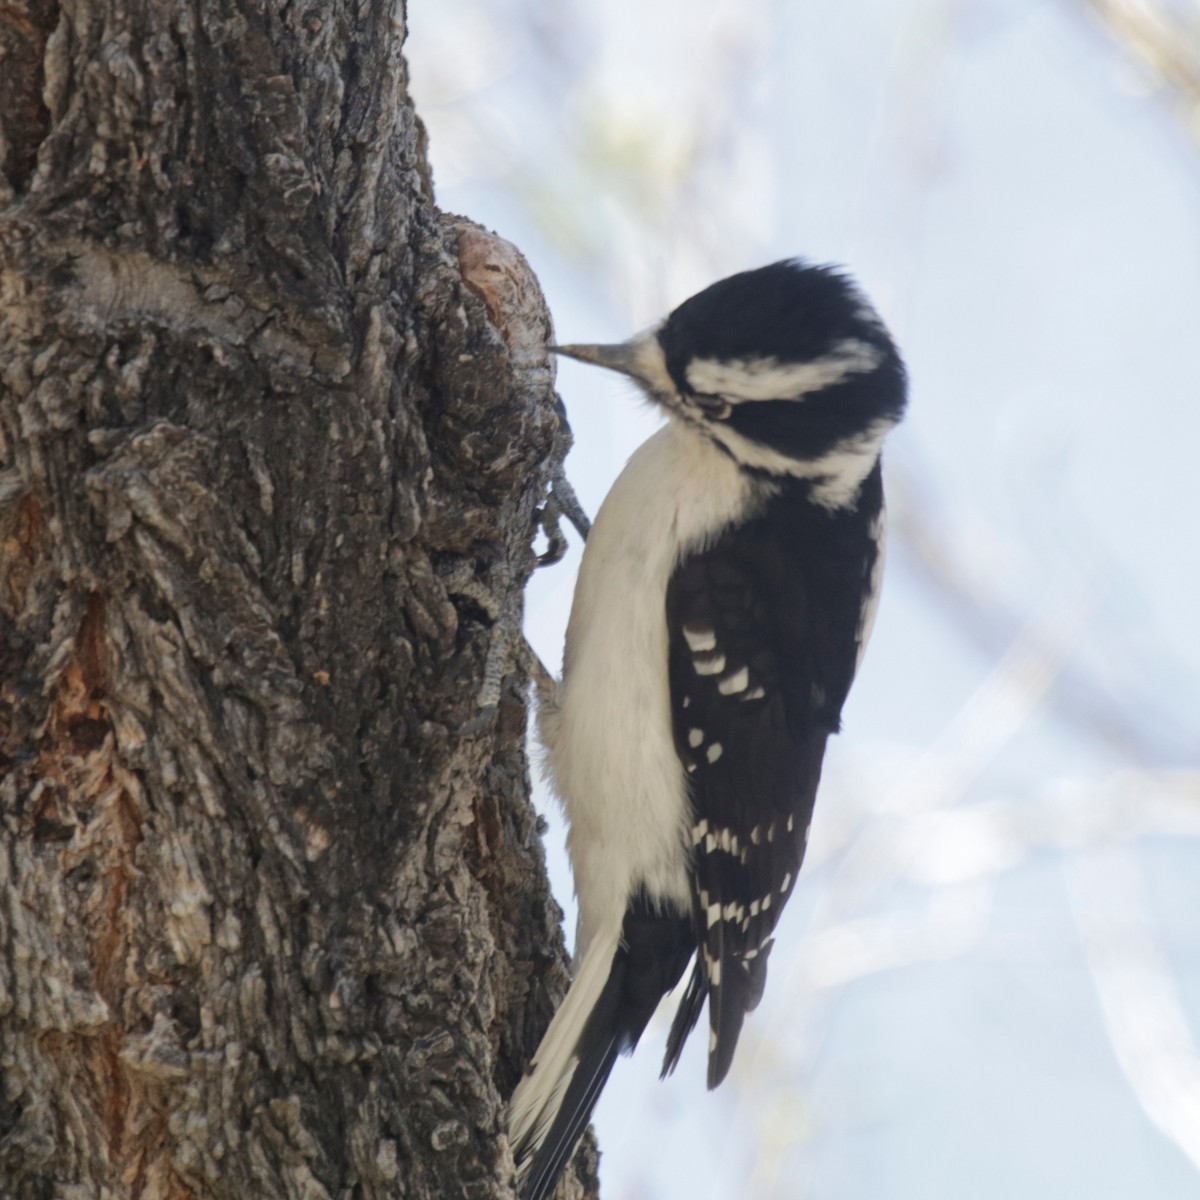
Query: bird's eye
pixel 716 408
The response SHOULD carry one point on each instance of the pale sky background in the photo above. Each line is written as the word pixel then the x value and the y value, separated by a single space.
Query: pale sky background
pixel 987 983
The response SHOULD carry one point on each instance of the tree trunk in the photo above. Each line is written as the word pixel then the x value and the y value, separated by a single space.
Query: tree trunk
pixel 273 433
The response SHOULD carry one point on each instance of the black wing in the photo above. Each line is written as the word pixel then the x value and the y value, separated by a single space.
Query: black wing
pixel 764 630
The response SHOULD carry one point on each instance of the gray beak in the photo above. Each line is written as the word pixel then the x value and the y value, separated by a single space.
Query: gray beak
pixel 622 357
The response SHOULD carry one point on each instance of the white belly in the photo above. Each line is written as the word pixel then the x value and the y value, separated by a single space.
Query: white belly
pixel 610 751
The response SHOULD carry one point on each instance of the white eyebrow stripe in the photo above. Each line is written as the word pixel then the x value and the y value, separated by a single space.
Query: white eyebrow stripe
pixel 740 379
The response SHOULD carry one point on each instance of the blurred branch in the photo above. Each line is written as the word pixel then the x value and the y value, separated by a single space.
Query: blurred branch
pixel 1134 727
pixel 615 154
pixel 951 852
pixel 1140 1000
pixel 1164 39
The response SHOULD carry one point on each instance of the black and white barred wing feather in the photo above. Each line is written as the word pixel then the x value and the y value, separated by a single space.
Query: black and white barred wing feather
pixel 762 649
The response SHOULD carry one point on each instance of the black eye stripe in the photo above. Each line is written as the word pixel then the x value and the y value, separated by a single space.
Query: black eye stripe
pixel 715 407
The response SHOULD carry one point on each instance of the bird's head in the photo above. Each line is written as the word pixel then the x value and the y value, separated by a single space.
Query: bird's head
pixel 787 368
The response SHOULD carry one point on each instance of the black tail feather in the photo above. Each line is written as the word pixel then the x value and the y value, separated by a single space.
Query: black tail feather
pixel 654 950
pixel 741 988
pixel 691 1005
pixel 584 1090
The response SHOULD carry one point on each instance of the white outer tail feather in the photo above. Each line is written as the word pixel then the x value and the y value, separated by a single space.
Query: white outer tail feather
pixel 538 1096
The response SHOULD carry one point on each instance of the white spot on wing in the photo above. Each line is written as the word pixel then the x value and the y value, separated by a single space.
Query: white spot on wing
pixel 700 637
pixel 755 693
pixel 714 752
pixel 737 682
pixel 698 831
pixel 713 914
pixel 706 665
pixel 695 737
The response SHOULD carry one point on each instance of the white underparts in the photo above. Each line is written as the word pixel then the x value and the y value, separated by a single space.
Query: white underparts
pixel 610 746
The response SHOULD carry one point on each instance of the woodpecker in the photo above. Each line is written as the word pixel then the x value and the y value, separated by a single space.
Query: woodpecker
pixel 727 590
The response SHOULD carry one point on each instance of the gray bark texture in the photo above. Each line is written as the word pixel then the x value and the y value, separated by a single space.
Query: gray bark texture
pixel 273 436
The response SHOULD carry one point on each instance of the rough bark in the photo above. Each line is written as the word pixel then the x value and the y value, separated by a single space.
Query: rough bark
pixel 273 433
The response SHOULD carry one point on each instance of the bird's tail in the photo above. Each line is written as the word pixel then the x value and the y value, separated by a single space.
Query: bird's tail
pixel 625 972
pixel 555 1098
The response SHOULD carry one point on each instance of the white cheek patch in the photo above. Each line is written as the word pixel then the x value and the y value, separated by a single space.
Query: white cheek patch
pixel 836 475
pixel 741 379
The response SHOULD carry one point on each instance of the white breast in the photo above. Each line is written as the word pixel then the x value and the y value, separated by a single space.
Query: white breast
pixel 610 752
